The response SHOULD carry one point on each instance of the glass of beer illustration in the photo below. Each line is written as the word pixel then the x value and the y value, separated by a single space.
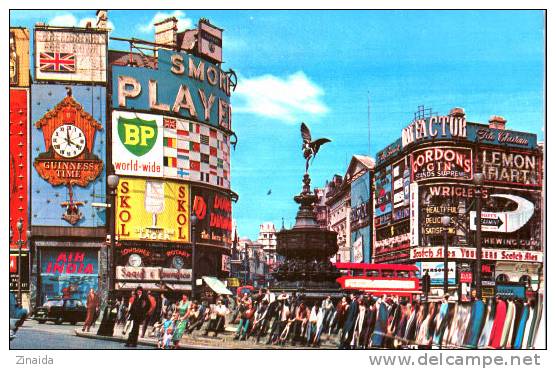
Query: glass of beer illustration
pixel 154 199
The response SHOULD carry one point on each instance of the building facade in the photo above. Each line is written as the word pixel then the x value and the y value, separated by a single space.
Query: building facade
pixel 170 125
pixel 267 238
pixel 161 122
pixel 428 173
pixel 359 176
pixel 19 165
pixel 68 161
pixel 338 205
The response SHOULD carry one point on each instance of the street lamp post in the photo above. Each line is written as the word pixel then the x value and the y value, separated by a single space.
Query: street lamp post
pixel 193 220
pixel 478 180
pixel 108 322
pixel 113 181
pixel 445 222
pixel 245 262
pixel 20 244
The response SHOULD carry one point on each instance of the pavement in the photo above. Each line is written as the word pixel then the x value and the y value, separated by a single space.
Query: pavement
pixel 50 336
pixel 197 340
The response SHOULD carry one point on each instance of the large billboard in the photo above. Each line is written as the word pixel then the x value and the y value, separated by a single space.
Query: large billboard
pixel 502 137
pixel 19 163
pixel 213 210
pixel 511 167
pixel 137 144
pixel 70 55
pixel 19 57
pixel 152 210
pixel 15 273
pixel 470 253
pixel 68 148
pixel 510 218
pixel 196 152
pixel 383 196
pixel 436 271
pixel 434 128
pixel 442 162
pixel 361 245
pixel 360 195
pixel 160 146
pixel 183 85
pixel 400 189
pixel 70 273
pixel 389 151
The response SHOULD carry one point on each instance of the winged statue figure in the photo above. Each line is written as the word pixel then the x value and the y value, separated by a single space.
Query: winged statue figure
pixel 310 148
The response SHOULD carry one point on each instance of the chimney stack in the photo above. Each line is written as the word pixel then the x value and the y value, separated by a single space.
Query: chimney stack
pixel 166 32
pixel 457 112
pixel 497 122
pixel 102 19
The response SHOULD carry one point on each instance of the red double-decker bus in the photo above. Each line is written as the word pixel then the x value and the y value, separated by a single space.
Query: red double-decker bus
pixel 380 279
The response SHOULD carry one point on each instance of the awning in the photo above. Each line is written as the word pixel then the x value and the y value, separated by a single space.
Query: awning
pixel 216 286
pixel 178 287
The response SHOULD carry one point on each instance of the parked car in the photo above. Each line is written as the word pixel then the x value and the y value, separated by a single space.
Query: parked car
pixel 61 310
pixel 17 315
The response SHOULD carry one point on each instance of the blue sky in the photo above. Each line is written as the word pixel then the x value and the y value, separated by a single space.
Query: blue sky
pixel 320 66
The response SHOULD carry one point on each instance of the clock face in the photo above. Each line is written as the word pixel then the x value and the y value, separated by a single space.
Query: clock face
pixel 177 262
pixel 134 260
pixel 68 141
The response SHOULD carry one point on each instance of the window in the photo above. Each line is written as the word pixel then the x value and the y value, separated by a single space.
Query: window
pixel 403 274
pixel 357 272
pixel 372 273
pixel 502 278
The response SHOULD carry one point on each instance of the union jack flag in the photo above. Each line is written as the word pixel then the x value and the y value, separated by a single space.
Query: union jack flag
pixel 57 62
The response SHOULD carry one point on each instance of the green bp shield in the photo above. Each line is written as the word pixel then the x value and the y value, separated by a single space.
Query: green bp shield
pixel 137 135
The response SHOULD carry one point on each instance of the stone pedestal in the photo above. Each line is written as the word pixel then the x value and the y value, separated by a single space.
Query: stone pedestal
pixel 307 250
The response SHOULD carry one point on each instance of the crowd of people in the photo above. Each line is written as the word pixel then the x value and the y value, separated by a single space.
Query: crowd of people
pixel 353 322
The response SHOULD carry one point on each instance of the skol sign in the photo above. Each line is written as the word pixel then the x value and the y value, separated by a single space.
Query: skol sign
pixel 152 210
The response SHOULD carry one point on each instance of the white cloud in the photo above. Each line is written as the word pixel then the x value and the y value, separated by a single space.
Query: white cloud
pixel 64 20
pixel 183 22
pixel 69 20
pixel 290 99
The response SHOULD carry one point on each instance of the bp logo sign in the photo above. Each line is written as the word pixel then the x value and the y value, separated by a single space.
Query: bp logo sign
pixel 137 135
pixel 137 147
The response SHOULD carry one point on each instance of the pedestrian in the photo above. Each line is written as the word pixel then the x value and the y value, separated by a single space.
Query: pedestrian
pixel 312 324
pixel 245 321
pixel 183 305
pixel 164 304
pixel 260 316
pixel 150 313
pixel 327 308
pixel 129 323
pixel 301 318
pixel 340 315
pixel 180 325
pixel 168 329
pixel 92 310
pixel 319 326
pixel 217 318
pixel 122 311
pixel 349 322
pixel 202 316
pixel 280 319
pixel 137 313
